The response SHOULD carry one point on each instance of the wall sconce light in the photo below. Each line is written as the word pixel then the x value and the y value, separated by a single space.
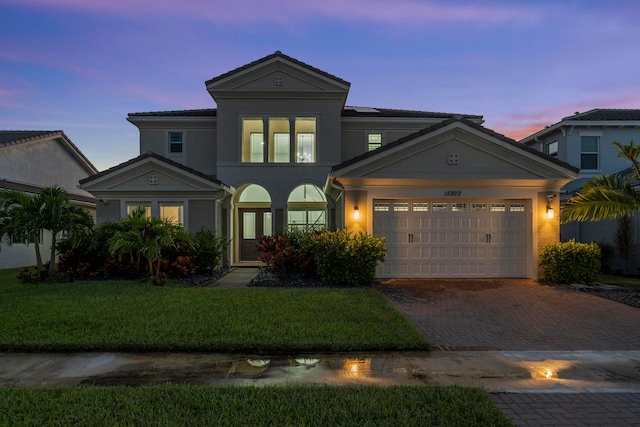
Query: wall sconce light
pixel 356 212
pixel 550 212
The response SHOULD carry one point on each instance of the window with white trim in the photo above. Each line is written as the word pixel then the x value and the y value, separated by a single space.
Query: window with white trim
pixel 589 149
pixel 176 141
pixel 252 140
pixel 135 206
pixel 552 149
pixel 172 211
pixel 374 141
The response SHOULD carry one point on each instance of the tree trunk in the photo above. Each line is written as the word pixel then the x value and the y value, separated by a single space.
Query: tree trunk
pixel 52 262
pixel 36 246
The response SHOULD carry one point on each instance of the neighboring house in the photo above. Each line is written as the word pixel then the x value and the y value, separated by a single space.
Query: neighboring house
pixel 585 140
pixel 282 150
pixel 32 160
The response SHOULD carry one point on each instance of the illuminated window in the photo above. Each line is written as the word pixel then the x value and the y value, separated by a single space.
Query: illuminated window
pixel 401 207
pixel 172 211
pixel 252 140
pixel 305 139
pixel 517 207
pixel 306 208
pixel 439 207
pixel 374 141
pixel 279 140
pixel 381 207
pixel 420 207
pixel 498 207
pixel 134 206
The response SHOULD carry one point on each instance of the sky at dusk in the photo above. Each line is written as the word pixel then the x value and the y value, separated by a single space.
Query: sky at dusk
pixel 82 65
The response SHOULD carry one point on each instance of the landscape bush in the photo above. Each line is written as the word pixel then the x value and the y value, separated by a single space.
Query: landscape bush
pixel 286 254
pixel 571 262
pixel 209 249
pixel 344 258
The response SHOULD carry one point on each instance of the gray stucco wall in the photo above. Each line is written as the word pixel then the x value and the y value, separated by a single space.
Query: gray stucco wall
pixel 201 215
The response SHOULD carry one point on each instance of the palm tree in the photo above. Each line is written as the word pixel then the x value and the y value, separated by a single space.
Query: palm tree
pixel 146 238
pixel 608 196
pixel 58 215
pixel 20 219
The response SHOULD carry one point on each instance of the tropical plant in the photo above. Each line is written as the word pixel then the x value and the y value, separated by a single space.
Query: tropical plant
pixel 146 238
pixel 24 216
pixel 607 196
pixel 19 219
pixel 57 215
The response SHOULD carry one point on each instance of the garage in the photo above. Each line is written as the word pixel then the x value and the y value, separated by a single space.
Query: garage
pixel 455 200
pixel 453 238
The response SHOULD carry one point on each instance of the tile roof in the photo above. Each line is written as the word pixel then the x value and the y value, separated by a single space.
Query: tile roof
pixel 347 112
pixel 13 137
pixel 205 112
pixel 437 126
pixel 350 111
pixel 151 154
pixel 10 137
pixel 606 114
pixel 277 54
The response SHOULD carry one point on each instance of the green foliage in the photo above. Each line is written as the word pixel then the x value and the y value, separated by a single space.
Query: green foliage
pixel 343 258
pixel 571 262
pixel 134 316
pixel 328 405
pixel 209 249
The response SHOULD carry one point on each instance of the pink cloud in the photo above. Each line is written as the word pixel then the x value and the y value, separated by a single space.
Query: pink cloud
pixel 223 11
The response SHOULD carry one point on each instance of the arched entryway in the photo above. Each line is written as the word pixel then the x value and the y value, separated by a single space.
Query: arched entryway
pixel 253 207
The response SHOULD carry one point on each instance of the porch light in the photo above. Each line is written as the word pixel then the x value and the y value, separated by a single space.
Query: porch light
pixel 549 208
pixel 356 212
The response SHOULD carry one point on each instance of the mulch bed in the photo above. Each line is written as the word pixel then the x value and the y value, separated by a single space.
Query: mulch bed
pixel 625 296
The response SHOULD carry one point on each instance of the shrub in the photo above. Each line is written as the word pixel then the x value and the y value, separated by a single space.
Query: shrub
pixel 209 248
pixel 343 258
pixel 570 262
pixel 285 255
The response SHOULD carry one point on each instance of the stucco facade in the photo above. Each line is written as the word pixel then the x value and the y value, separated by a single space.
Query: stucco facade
pixel 282 149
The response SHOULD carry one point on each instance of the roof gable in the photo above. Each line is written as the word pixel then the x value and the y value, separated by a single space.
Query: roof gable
pixel 150 172
pixel 280 75
pixel 455 149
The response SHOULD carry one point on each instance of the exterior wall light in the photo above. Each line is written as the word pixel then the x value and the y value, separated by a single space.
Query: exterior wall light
pixel 356 212
pixel 550 213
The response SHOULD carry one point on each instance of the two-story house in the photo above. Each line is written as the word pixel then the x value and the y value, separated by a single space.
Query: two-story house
pixel 282 149
pixel 585 140
pixel 32 160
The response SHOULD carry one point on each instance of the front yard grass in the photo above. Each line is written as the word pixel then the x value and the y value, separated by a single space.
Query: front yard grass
pixel 250 406
pixel 632 282
pixel 135 316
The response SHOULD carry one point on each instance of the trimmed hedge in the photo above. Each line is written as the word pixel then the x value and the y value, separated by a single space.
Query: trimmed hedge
pixel 570 262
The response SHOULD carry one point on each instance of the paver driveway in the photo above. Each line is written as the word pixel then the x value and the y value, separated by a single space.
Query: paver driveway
pixel 513 314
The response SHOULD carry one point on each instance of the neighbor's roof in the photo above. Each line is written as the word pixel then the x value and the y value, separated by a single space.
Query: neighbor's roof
pixel 277 54
pixel 14 137
pixel 595 117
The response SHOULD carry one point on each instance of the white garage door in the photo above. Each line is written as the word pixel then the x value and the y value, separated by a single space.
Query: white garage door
pixel 441 238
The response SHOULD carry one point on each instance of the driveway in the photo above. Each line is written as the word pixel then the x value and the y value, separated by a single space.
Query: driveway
pixel 512 314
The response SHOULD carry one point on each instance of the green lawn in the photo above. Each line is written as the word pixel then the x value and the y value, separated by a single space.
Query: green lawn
pixel 137 316
pixel 632 282
pixel 250 406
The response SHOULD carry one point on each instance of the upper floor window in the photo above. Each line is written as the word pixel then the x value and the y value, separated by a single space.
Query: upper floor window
pixel 552 149
pixel 305 139
pixel 281 145
pixel 374 141
pixel 176 142
pixel 252 140
pixel 279 140
pixel 589 148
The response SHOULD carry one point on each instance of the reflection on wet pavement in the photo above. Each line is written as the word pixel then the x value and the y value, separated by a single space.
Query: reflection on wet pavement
pixel 525 371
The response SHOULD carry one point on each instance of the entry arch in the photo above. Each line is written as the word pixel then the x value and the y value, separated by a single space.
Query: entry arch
pixel 253 218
